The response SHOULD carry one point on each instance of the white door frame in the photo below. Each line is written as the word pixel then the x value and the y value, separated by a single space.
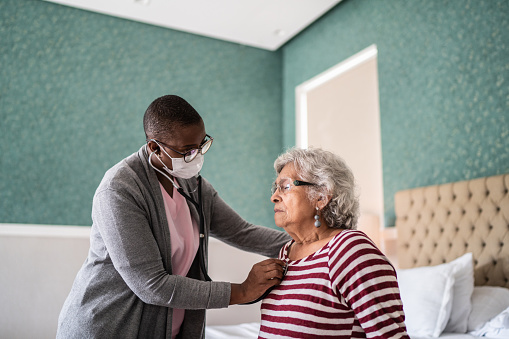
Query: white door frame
pixel 318 80
pixel 301 92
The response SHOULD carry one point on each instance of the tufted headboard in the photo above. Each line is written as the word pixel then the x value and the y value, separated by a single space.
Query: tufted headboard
pixel 437 224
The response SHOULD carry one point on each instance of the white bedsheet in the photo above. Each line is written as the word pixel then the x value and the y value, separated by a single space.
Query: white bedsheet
pixel 453 336
pixel 250 331
pixel 241 331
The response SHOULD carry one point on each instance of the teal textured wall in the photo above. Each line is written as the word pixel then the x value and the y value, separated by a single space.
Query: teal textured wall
pixel 73 89
pixel 443 78
pixel 74 86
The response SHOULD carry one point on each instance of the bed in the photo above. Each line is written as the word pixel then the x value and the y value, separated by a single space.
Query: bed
pixel 436 227
pixel 453 261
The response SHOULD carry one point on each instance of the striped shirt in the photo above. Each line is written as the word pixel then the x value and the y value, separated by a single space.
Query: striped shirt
pixel 347 289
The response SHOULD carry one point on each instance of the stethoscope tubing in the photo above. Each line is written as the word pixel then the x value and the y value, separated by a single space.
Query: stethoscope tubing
pixel 201 254
pixel 198 206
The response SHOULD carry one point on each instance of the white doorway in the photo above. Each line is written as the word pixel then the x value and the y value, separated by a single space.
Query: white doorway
pixel 339 110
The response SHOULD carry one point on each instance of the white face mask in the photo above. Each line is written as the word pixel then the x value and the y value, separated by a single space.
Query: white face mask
pixel 182 169
pixel 185 170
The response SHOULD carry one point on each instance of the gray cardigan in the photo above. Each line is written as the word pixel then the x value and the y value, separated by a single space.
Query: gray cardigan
pixel 125 288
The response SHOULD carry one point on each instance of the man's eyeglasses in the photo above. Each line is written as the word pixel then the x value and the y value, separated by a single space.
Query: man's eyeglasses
pixel 286 184
pixel 192 153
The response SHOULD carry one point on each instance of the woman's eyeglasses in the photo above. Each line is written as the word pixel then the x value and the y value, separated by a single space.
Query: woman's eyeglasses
pixel 191 154
pixel 286 184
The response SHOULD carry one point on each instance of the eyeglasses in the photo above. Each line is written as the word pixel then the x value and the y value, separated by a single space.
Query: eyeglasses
pixel 192 153
pixel 286 184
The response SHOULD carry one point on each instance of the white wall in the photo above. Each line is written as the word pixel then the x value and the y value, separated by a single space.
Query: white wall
pixel 38 264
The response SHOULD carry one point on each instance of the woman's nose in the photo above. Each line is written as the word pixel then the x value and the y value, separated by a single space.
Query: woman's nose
pixel 275 197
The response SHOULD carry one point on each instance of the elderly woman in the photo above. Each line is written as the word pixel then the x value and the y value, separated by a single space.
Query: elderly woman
pixel 338 284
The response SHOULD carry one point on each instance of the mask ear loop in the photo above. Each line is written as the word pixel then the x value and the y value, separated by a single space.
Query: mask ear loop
pixel 177 187
pixel 158 157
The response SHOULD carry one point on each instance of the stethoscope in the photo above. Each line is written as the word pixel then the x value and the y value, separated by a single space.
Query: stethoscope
pixel 267 291
pixel 201 253
pixel 198 205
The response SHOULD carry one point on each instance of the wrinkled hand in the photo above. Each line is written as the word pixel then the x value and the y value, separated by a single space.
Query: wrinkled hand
pixel 262 276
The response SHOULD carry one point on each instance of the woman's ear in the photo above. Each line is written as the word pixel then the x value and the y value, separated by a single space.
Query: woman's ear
pixel 323 201
pixel 153 146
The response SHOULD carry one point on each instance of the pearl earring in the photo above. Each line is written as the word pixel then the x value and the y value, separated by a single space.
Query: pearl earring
pixel 317 221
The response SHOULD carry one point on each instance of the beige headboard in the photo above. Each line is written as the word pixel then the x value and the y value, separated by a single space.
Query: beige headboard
pixel 437 224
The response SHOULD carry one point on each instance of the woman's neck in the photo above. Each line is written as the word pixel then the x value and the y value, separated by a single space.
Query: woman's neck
pixel 309 236
pixel 168 186
pixel 305 245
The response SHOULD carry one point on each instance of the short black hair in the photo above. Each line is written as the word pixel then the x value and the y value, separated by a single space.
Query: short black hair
pixel 167 113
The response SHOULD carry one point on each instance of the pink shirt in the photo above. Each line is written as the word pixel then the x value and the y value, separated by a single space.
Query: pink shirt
pixel 184 242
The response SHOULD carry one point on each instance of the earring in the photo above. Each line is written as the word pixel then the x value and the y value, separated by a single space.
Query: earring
pixel 317 221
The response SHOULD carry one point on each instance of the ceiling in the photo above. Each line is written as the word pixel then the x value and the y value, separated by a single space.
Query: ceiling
pixel 265 24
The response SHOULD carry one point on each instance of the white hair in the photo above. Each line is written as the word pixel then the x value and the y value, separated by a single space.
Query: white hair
pixel 331 177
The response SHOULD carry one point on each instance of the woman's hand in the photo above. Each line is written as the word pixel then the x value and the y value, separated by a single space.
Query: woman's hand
pixel 262 276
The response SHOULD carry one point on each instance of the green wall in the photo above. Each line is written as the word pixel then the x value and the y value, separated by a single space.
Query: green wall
pixel 443 79
pixel 73 89
pixel 74 86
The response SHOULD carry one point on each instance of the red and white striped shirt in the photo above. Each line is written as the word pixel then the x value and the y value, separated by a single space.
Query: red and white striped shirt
pixel 347 289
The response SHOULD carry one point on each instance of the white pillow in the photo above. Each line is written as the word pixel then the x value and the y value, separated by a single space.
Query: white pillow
pixel 462 294
pixel 487 302
pixel 427 295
